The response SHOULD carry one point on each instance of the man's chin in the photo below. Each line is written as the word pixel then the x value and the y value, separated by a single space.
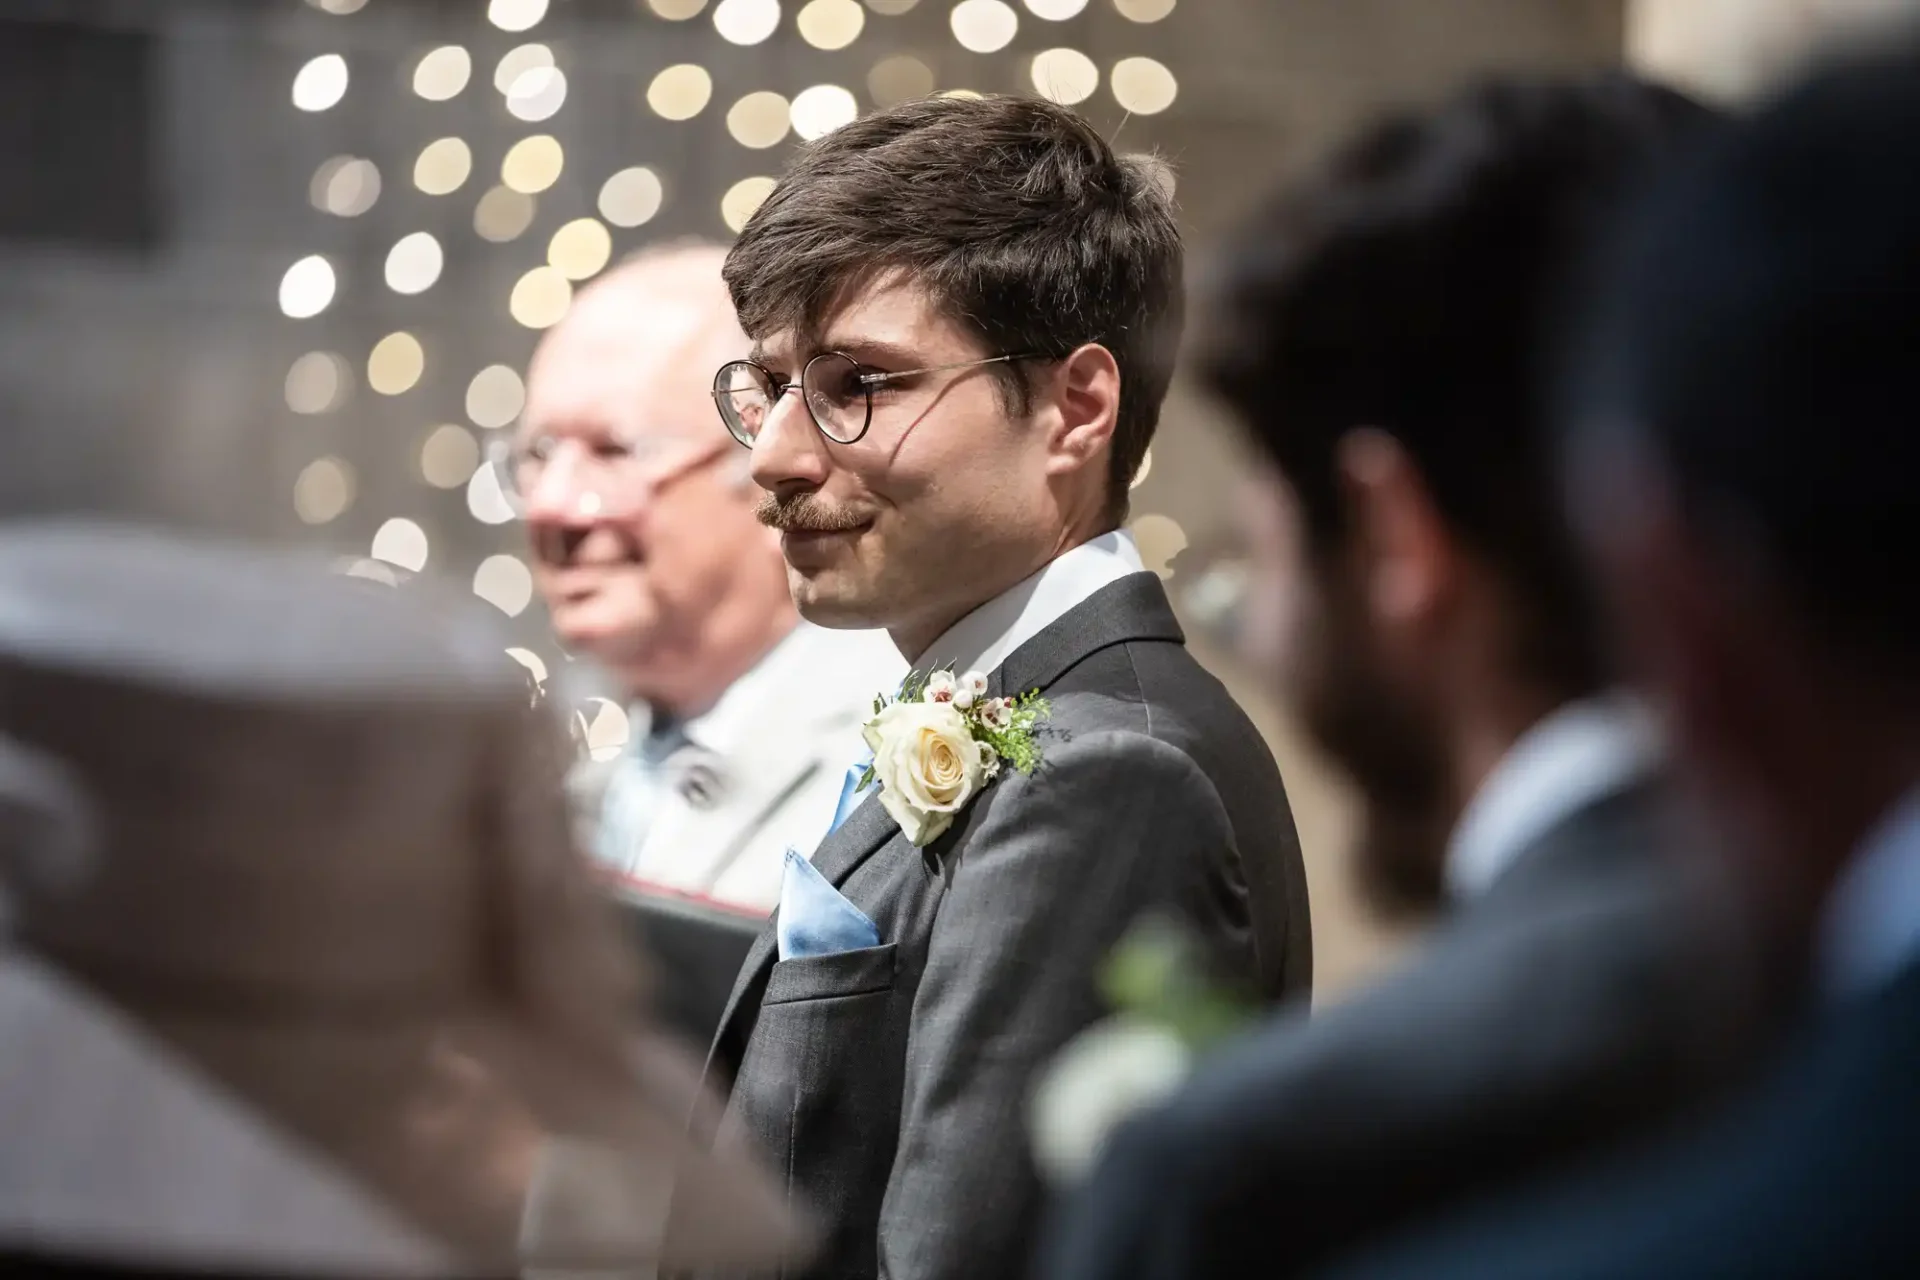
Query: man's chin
pixel 825 601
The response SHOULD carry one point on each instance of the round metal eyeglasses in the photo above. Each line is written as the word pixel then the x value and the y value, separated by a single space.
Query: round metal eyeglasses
pixel 837 392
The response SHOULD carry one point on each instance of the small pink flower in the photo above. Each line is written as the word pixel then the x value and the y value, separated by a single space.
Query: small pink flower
pixel 941 687
pixel 997 713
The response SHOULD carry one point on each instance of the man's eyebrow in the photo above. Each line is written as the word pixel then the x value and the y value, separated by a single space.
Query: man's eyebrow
pixel 874 351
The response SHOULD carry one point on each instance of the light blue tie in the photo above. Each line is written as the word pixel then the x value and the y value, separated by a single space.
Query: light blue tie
pixel 850 792
pixel 634 794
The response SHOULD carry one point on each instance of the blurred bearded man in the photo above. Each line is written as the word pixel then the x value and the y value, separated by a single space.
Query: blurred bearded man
pixel 647 553
pixel 964 314
pixel 1379 333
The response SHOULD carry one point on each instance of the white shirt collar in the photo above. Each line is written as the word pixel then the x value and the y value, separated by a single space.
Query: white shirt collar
pixel 1870 923
pixel 117 1148
pixel 1583 751
pixel 741 709
pixel 984 638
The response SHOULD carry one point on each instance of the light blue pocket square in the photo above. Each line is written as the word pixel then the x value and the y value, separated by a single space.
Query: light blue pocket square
pixel 815 920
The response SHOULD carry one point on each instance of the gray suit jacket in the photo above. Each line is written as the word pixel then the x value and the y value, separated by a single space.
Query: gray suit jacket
pixel 890 1084
pixel 1587 995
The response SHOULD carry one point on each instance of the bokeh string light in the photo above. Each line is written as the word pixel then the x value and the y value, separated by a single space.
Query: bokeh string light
pixel 569 213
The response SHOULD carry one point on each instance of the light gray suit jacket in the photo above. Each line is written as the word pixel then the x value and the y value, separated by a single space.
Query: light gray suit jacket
pixel 890 1084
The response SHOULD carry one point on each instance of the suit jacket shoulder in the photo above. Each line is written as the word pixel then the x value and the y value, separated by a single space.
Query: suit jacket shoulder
pixel 1538 1021
pixel 1809 1174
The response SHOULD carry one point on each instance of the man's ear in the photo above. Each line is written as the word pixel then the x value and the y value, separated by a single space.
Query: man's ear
pixel 1407 561
pixel 1084 396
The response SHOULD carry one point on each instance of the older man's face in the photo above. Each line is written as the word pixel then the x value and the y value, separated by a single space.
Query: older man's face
pixel 634 497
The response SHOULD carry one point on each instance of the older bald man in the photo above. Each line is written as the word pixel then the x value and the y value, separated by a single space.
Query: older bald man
pixel 646 549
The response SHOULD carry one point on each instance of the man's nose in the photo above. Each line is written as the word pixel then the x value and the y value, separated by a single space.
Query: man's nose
pixel 789 452
pixel 561 492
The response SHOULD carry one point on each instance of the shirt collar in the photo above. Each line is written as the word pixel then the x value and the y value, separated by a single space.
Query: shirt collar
pixel 1870 924
pixel 983 639
pixel 725 724
pixel 1577 754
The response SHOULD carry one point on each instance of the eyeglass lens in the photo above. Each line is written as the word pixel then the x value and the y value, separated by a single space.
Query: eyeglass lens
pixel 830 386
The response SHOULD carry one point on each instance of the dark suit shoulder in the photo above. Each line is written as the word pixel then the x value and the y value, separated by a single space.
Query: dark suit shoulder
pixel 1807 1175
pixel 1533 1025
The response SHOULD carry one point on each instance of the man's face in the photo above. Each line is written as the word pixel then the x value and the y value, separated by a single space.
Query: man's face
pixel 1307 627
pixel 639 519
pixel 941 504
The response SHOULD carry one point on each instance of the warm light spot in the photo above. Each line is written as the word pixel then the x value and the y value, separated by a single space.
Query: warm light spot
pixel 443 167
pixel 321 83
pixel 318 382
pixel 901 78
pixel 533 164
pixel 517 62
pixel 323 489
pixel 338 7
pixel 1143 86
pixel 677 10
pixel 486 501
pixel 1055 10
pixel 984 26
pixel 396 364
pixel 631 197
pixel 532 662
pixel 495 396
pixel 822 109
pixel 891 8
pixel 502 214
pixel 1065 76
pixel 345 185
pixel 746 21
pixel 370 570
pixel 505 583
pixel 759 119
pixel 537 94
pixel 580 249
pixel 742 198
pixel 680 92
pixel 959 93
pixel 1146 469
pixel 1161 539
pixel 401 542
pixel 307 288
pixel 516 15
pixel 831 24
pixel 1144 10
pixel 414 263
pixel 540 298
pixel 443 73
pixel 448 456
pixel 607 730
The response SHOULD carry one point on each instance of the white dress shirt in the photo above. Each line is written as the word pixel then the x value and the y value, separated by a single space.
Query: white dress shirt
pixel 1870 923
pixel 984 638
pixel 1574 756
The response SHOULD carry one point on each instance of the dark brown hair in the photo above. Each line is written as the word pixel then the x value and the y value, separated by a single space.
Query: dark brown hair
pixel 1016 217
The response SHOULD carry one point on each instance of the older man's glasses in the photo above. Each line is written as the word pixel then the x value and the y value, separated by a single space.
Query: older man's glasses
pixel 605 474
pixel 837 392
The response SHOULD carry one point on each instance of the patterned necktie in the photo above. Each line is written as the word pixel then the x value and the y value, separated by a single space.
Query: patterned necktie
pixel 639 785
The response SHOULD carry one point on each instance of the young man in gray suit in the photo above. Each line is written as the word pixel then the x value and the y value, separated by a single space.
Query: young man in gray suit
pixel 976 302
pixel 1380 331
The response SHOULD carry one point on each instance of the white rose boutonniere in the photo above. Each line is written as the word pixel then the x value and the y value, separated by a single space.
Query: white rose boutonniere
pixel 942 740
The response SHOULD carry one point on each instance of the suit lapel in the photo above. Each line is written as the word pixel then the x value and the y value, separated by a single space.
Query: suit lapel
pixel 1134 608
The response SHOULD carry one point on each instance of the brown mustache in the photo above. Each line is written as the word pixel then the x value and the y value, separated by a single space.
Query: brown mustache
pixel 804 513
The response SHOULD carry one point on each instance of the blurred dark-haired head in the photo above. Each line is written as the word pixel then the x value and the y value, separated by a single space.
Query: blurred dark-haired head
pixel 1382 331
pixel 1744 457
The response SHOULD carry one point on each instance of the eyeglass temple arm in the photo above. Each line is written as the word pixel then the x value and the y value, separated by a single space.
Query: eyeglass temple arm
pixel 875 379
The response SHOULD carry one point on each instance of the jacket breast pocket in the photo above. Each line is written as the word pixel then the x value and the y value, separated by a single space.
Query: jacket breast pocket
pixel 844 973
